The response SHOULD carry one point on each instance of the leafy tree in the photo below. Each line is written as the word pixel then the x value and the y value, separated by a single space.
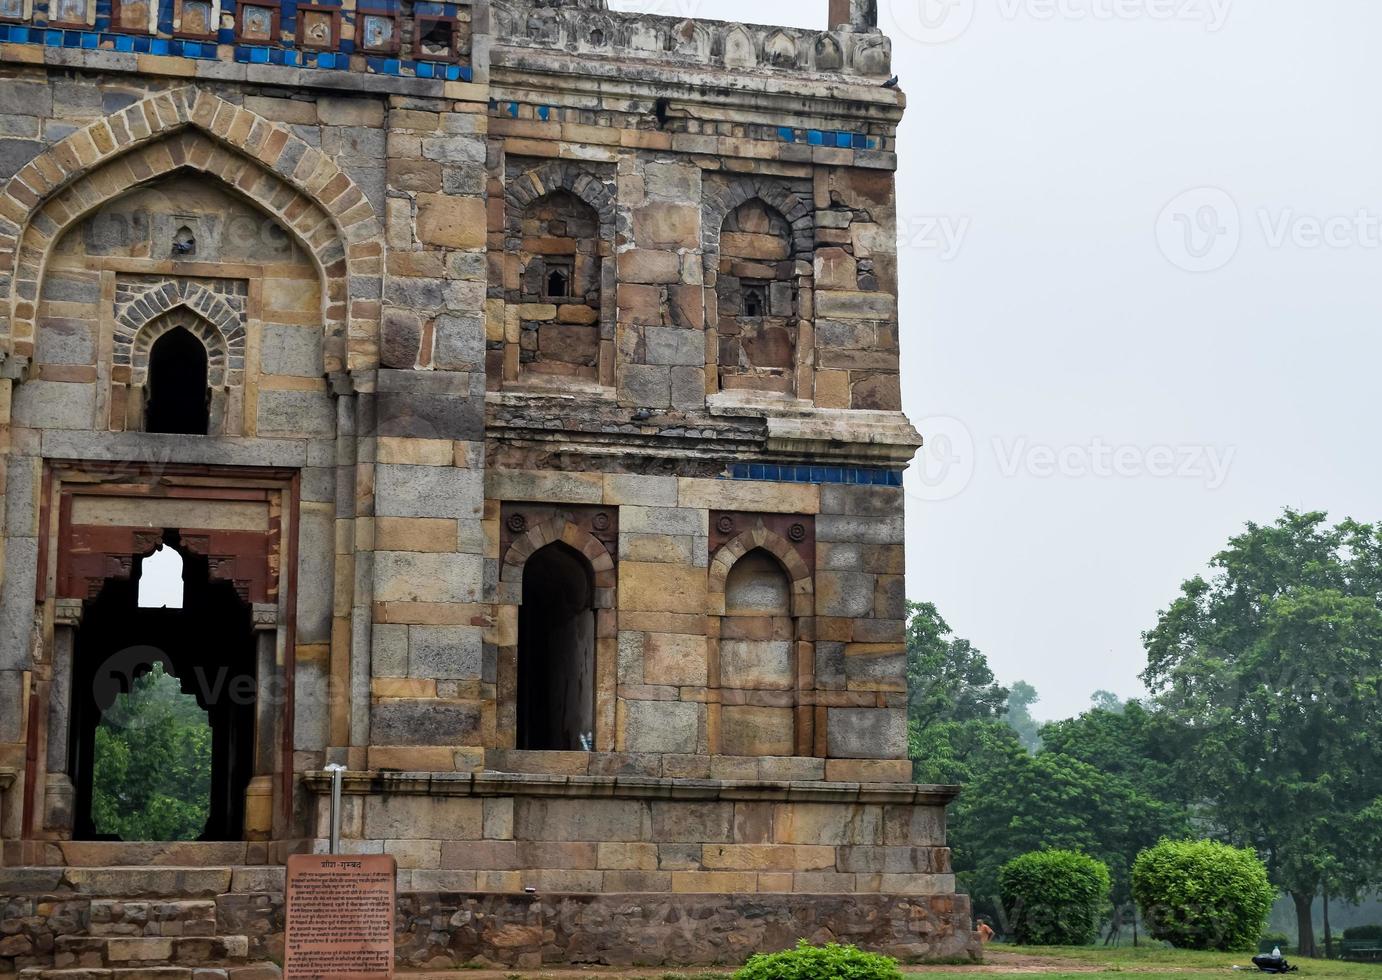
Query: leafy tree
pixel 948 679
pixel 953 699
pixel 1020 701
pixel 1273 667
pixel 152 772
pixel 1138 745
pixel 1107 701
pixel 1018 803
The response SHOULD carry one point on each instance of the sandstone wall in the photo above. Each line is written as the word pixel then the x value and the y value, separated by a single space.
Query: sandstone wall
pixel 511 278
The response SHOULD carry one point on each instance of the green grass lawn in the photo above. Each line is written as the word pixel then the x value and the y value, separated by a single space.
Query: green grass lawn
pixel 1150 961
pixel 1028 962
pixel 1077 963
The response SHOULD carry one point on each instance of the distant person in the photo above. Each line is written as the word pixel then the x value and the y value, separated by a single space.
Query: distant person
pixel 985 932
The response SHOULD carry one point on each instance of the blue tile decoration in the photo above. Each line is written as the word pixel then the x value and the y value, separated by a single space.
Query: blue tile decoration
pixel 284 53
pixel 797 473
pixel 828 137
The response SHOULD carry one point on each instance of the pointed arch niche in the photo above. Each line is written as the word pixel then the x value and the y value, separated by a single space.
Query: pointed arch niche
pixel 758 239
pixel 761 600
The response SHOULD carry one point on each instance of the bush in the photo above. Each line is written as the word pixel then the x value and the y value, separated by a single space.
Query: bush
pixel 1363 934
pixel 1203 895
pixel 808 962
pixel 1054 898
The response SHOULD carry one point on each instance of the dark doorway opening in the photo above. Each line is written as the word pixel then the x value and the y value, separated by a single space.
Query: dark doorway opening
pixel 178 395
pixel 556 652
pixel 208 647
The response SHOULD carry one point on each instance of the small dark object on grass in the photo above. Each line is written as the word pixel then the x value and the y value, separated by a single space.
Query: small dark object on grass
pixel 1268 963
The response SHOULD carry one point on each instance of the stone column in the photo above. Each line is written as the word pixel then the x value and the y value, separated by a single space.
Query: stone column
pixel 268 709
pixel 59 793
pixel 858 15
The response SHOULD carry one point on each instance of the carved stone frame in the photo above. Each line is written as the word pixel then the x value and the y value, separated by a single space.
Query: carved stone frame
pixel 74 565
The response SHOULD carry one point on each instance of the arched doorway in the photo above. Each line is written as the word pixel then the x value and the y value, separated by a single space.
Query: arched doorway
pixel 556 652
pixel 207 645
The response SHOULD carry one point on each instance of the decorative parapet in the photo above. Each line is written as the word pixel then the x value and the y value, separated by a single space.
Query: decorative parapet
pixel 669 40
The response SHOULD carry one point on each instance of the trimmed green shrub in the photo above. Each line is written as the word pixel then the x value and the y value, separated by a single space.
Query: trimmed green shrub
pixel 1363 934
pixel 1203 894
pixel 808 962
pixel 1054 898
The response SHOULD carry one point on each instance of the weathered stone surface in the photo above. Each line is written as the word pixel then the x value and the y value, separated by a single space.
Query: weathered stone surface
pixel 867 733
pixel 449 329
pixel 424 723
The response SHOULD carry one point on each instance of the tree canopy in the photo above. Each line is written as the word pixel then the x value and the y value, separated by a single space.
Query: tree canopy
pixel 1272 667
pixel 152 772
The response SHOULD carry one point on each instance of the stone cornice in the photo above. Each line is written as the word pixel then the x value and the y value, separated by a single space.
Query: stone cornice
pixel 759 98
pixel 629 787
pixel 764 430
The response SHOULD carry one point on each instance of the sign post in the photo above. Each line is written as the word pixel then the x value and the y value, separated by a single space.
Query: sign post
pixel 340 916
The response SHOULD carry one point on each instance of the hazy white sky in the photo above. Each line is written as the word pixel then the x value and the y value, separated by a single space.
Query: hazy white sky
pixel 1101 419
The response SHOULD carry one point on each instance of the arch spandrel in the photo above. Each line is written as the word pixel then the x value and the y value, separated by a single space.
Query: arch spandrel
pixel 191 129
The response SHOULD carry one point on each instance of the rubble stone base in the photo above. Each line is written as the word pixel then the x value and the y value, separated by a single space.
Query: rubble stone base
pixel 105 922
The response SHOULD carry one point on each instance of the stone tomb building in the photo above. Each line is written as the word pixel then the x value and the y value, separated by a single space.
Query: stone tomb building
pixel 517 384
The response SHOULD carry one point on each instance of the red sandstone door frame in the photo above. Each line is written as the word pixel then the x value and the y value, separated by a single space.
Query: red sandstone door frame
pixel 76 558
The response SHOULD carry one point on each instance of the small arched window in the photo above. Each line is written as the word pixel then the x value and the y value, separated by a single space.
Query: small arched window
pixel 558 283
pixel 178 393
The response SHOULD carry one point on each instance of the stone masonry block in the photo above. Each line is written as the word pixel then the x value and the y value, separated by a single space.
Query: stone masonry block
pixel 538 819
pixel 423 818
pixel 446 652
pixel 661 726
pixel 867 733
pixel 428 491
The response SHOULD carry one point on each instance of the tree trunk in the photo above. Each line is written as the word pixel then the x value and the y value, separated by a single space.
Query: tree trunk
pixel 1305 922
pixel 1328 935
